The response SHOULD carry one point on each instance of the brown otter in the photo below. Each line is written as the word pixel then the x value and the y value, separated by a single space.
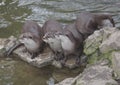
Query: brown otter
pixel 50 28
pixel 31 38
pixel 72 42
pixel 87 23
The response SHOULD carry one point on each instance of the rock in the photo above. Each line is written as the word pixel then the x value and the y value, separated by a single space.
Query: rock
pixel 10 42
pixel 57 64
pixel 68 81
pixel 2 44
pixel 96 75
pixel 97 45
pixel 116 63
pixel 71 63
pixel 93 42
pixel 112 43
pixel 43 59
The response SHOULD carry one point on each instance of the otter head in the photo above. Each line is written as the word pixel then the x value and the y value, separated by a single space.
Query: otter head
pixel 105 23
pixel 31 42
pixel 57 35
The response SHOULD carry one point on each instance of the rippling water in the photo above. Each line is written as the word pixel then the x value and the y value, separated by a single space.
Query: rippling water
pixel 13 13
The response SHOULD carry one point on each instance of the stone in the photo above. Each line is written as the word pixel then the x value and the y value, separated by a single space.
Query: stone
pixel 2 44
pixel 116 63
pixel 96 75
pixel 112 43
pixel 93 42
pixel 57 64
pixel 68 81
pixel 43 59
pixel 10 42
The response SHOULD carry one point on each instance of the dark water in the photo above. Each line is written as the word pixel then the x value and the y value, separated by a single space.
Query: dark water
pixel 13 13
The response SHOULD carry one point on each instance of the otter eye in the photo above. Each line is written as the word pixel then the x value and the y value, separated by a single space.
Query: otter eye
pixel 31 37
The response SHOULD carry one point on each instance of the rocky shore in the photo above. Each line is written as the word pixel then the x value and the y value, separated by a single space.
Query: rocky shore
pixel 102 49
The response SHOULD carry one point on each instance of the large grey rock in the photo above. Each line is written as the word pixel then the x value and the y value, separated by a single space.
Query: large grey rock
pixel 93 42
pixel 96 75
pixel 116 63
pixel 112 43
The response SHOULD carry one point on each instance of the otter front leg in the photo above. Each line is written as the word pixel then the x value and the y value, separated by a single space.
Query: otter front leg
pixel 63 61
pixel 78 57
pixel 34 55
pixel 25 50
pixel 59 56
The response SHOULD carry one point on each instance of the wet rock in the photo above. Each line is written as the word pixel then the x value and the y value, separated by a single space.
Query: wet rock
pixel 10 42
pixel 43 59
pixel 57 64
pixel 2 44
pixel 71 63
pixel 96 75
pixel 116 63
pixel 68 81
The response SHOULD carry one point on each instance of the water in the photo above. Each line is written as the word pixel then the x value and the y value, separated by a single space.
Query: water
pixel 13 13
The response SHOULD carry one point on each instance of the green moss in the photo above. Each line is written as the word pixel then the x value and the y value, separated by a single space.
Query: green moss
pixel 93 58
pixel 96 56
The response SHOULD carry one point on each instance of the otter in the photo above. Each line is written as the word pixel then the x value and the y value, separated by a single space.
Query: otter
pixel 86 23
pixel 72 42
pixel 31 38
pixel 51 27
